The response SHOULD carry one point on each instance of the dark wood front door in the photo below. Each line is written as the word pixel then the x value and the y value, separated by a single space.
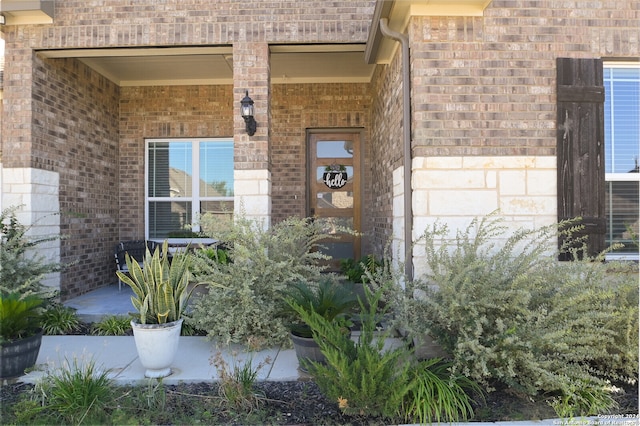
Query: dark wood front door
pixel 334 189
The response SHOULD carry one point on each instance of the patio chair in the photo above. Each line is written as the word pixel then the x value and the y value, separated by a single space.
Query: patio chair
pixel 136 249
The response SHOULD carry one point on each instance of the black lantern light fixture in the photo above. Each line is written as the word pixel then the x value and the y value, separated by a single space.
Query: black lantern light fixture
pixel 246 110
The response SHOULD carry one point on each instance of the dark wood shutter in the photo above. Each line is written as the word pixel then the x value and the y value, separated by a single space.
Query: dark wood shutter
pixel 580 138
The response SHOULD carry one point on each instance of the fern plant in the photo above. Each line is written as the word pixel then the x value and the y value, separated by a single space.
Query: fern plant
pixel 368 379
pixel 161 288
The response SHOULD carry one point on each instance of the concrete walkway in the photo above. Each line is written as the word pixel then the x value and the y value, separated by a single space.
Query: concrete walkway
pixel 118 355
pixel 194 361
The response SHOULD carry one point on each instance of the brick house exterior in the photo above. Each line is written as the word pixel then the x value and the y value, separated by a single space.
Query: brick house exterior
pixel 482 110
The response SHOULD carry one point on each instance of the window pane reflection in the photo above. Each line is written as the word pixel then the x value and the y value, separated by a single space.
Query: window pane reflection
pixel 168 216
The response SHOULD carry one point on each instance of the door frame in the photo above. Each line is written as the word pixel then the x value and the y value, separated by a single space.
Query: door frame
pixel 358 206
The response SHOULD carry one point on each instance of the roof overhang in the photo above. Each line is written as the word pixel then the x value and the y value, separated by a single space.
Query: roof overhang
pixel 27 12
pixel 195 65
pixel 398 12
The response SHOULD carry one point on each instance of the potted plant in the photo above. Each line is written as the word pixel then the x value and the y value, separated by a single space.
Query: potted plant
pixel 161 293
pixel 20 333
pixel 330 300
pixel 22 295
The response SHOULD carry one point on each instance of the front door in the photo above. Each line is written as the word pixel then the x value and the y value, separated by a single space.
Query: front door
pixel 334 190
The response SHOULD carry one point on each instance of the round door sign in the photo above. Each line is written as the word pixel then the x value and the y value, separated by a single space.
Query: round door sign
pixel 335 178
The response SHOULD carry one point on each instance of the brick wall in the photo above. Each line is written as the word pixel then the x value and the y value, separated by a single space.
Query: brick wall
pixel 486 85
pixel 386 148
pixel 82 24
pixel 163 112
pixel 298 107
pixel 75 134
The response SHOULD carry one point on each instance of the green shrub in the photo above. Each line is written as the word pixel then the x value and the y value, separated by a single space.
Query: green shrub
pixel 112 325
pixel 506 309
pixel 59 319
pixel 367 379
pixel 359 271
pixel 19 316
pixel 247 305
pixel 77 391
pixel 330 299
pixel 23 268
pixel 237 385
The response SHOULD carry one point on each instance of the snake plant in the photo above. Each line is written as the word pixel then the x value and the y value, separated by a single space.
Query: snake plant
pixel 160 285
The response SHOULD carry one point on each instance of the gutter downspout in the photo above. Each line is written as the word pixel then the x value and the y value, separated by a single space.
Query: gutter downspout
pixel 406 133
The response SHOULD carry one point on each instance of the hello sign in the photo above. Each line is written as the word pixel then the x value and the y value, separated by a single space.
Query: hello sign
pixel 335 178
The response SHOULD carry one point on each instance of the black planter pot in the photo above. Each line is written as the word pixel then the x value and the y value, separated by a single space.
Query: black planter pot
pixel 19 355
pixel 306 350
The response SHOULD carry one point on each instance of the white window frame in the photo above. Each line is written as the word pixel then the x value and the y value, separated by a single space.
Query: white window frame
pixel 195 197
pixel 619 177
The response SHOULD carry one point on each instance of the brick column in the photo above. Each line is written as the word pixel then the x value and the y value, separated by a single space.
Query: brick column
pixel 252 174
pixel 34 190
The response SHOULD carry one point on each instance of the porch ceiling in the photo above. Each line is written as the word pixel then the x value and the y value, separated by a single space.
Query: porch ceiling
pixel 343 63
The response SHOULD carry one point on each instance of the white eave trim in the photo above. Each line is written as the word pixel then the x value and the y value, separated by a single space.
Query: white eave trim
pixel 398 12
pixel 27 12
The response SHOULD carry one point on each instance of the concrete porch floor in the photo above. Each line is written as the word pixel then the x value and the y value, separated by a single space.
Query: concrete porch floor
pixel 96 304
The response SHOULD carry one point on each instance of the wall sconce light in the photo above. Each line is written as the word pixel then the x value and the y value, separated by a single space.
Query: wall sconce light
pixel 246 110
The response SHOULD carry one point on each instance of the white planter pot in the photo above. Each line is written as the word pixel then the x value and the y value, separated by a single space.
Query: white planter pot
pixel 157 345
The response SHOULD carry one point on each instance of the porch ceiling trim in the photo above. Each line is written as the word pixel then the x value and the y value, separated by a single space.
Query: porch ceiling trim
pixel 204 65
pixel 380 50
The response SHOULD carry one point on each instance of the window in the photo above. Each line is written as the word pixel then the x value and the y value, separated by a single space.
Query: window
pixel 174 199
pixel 622 146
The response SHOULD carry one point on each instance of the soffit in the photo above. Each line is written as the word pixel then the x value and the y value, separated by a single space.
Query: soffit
pixel 29 12
pixel 398 12
pixel 343 63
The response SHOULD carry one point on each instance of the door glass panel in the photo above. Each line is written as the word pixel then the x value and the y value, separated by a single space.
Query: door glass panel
pixel 334 149
pixel 333 224
pixel 338 250
pixel 335 200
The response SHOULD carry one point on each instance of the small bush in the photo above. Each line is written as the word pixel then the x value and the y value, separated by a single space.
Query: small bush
pixel 237 386
pixel 510 311
pixel 59 319
pixel 359 271
pixel 112 325
pixel 77 391
pixel 23 268
pixel 367 379
pixel 247 304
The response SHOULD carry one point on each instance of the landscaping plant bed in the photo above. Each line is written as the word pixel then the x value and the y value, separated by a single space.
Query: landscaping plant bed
pixel 281 403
